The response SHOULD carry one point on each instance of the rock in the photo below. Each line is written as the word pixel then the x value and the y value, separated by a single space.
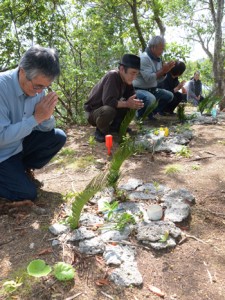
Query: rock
pixel 177 212
pixel 92 246
pixel 107 192
pixel 88 219
pixel 126 275
pixel 154 231
pixel 154 212
pixel 118 254
pixel 141 196
pixel 132 184
pixel 57 228
pixel 170 243
pixel 81 233
pixel 115 235
pixel 181 195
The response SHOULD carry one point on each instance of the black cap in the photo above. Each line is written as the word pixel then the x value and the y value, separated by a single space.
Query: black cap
pixel 131 61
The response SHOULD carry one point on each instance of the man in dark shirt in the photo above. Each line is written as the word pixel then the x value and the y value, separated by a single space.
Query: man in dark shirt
pixel 172 84
pixel 112 96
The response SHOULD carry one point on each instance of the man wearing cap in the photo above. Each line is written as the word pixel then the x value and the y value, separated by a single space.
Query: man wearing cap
pixel 112 96
pixel 152 73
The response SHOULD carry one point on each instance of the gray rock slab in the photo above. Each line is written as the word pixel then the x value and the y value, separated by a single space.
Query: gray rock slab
pixel 58 229
pixel 177 212
pixel 154 231
pixel 131 207
pixel 92 246
pixel 169 146
pixel 126 275
pixel 132 184
pixel 170 243
pixel 118 254
pixel 142 196
pixel 115 235
pixel 107 192
pixel 181 195
pixel 81 233
pixel 150 188
pixel 88 219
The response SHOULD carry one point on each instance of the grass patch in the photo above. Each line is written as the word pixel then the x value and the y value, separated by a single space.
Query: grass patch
pixel 195 167
pixel 184 152
pixel 172 169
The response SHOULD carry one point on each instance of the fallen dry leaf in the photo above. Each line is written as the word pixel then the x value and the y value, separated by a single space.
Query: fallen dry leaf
pixel 156 291
pixel 45 251
pixel 102 282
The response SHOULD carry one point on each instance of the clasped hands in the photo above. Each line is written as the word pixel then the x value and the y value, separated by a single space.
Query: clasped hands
pixel 134 103
pixel 45 108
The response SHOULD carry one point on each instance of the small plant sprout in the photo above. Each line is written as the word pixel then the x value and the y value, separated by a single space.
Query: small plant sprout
pixel 165 237
pixel 172 169
pixel 184 152
pixel 63 271
pixel 123 220
pixel 156 185
pixel 38 268
pixel 110 208
pixel 92 142
pixel 222 142
pixel 195 167
pixel 11 286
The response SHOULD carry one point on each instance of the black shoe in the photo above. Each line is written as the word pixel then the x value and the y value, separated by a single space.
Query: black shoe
pixel 99 136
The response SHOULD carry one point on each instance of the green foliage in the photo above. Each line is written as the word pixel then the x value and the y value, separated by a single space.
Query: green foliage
pixel 165 237
pixel 110 208
pixel 195 167
pixel 92 142
pixel 149 110
pixel 126 149
pixel 172 169
pixel 10 286
pixel 125 123
pixel 38 268
pixel 123 220
pixel 181 112
pixel 63 271
pixel 182 128
pixel 80 200
pixel 208 103
pixel 184 152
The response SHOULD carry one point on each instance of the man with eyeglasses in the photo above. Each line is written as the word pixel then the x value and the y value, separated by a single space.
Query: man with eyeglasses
pixel 28 139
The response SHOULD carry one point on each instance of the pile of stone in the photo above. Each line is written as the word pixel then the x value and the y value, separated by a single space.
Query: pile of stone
pixel 149 229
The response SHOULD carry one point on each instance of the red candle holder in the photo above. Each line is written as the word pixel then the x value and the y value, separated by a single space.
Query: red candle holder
pixel 109 142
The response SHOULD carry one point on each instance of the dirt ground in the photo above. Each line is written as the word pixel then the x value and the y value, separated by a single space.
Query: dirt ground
pixel 194 270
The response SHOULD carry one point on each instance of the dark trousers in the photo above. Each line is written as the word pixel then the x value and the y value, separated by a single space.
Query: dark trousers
pixel 106 118
pixel 174 103
pixel 38 149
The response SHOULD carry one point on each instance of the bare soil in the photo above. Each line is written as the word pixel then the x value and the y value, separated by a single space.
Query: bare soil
pixel 195 269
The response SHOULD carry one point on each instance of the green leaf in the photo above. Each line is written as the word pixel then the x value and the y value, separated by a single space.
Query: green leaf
pixel 38 268
pixel 63 271
pixel 11 286
pixel 165 237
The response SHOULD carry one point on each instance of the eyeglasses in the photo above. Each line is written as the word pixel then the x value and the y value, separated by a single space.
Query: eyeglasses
pixel 38 87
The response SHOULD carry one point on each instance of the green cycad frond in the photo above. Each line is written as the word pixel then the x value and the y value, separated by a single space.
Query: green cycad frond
pixel 123 152
pixel 108 177
pixel 83 197
pixel 149 110
pixel 208 103
pixel 125 123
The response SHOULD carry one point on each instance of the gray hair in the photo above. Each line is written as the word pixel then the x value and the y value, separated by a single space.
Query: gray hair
pixel 40 61
pixel 155 41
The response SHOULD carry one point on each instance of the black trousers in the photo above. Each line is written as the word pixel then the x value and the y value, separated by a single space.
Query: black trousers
pixel 178 97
